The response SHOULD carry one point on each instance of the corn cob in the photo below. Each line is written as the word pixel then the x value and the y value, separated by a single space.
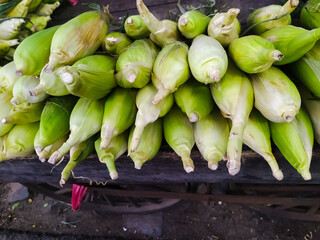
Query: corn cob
pixel 193 23
pixel 37 23
pixel 6 107
pixel 115 42
pixel 9 29
pixel 309 15
pixel 45 9
pixel 20 10
pixel 135 27
pixel 8 77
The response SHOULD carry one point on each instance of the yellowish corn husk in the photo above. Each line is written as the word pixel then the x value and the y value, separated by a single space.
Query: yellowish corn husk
pixel 135 27
pixel 21 90
pixel 90 77
pixel 19 141
pixel 45 9
pixel 5 46
pixel 78 153
pixel 281 14
pixel 134 65
pixel 170 70
pixel 10 28
pixel 24 113
pixel 119 114
pixel 234 96
pixel 211 136
pixel 118 146
pixel 8 77
pixel 293 42
pixel 37 23
pixel 295 141
pixel 77 38
pixel 115 42
pixel 162 32
pixel 225 26
pixel 257 137
pixel 145 151
pixel 20 10
pixel 85 121
pixel 276 96
pixel 207 59
pixel 253 54
pixel 178 132
pixel 147 113
pixel 194 99
pixel 33 53
pixel 193 23
pixel 310 15
pixel 6 107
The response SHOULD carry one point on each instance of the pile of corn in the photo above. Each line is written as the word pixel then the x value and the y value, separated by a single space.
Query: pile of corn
pixel 76 89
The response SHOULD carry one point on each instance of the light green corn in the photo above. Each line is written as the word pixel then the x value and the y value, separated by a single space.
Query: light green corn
pixel 37 23
pixel 5 46
pixel 276 96
pixel 33 5
pixel 147 112
pixel 225 26
pixel 8 77
pixel 193 23
pixel 77 38
pixel 21 90
pixel 170 70
pixel 234 96
pixel 117 147
pixel 85 121
pixel 208 60
pixel 6 107
pixel 33 52
pixel 113 43
pixel 194 99
pixel 19 141
pixel 310 15
pixel 162 32
pixel 90 77
pixel 45 9
pixel 293 42
pixel 253 54
pixel 145 151
pixel 211 136
pixel 178 132
pixel 135 27
pixel 280 14
pixel 78 153
pixel 134 65
pixel 119 114
pixel 257 137
pixel 9 29
pixel 20 10
pixel 295 141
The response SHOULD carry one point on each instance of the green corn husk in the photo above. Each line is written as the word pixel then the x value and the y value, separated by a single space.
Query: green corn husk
pixel 85 121
pixel 21 90
pixel 162 32
pixel 234 96
pixel 281 14
pixel 119 114
pixel 257 137
pixel 135 27
pixel 276 96
pixel 193 23
pixel 5 46
pixel 253 54
pixel 19 141
pixel 10 28
pixel 54 121
pixel 295 141
pixel 170 70
pixel 310 15
pixel 207 59
pixel 8 77
pixel 145 151
pixel 178 132
pixel 9 55
pixel 90 77
pixel 33 5
pixel 134 65
pixel 24 113
pixel 117 147
pixel 225 27
pixel 148 112
pixel 6 107
pixel 293 42
pixel 307 70
pixel 46 9
pixel 33 52
pixel 194 99
pixel 20 10
pixel 78 153
pixel 211 136
pixel 77 38
pixel 37 23
pixel 113 43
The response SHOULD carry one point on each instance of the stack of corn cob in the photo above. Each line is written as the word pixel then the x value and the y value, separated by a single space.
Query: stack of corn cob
pixel 119 92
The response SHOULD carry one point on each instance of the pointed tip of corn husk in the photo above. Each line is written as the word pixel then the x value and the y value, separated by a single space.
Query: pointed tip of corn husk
pixel 184 22
pixel 233 167
pixel 62 182
pixel 5 120
pixel 187 164
pixel 114 175
pixel 278 175
pixel 131 77
pixel 189 169
pixel 55 157
pixel 213 165
pixel 15 101
pixel 138 164
pixel 193 117
pixel 277 55
pixel 161 94
pixel 19 73
pixel 306 175
pixel 104 143
pixel 36 91
pixel 234 11
pixel 289 116
pixel 214 74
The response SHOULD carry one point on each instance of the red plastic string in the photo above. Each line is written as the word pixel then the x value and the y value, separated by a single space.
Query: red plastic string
pixel 78 192
pixel 73 2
